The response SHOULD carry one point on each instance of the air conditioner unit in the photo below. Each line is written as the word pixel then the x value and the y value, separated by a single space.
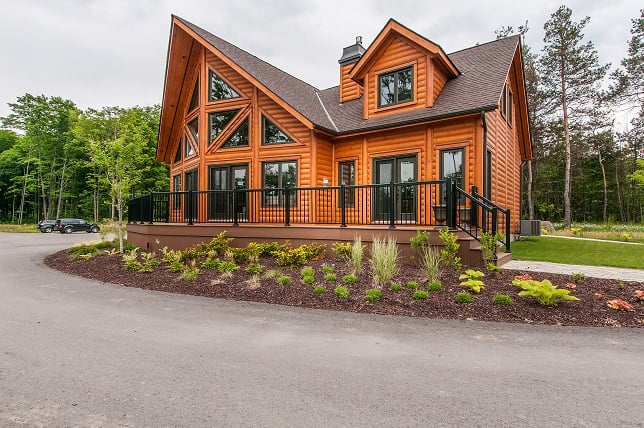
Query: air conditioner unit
pixel 530 227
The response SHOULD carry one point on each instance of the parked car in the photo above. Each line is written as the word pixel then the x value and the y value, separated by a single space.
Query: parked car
pixel 46 226
pixel 69 225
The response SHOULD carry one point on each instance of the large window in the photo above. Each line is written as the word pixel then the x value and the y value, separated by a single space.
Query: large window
pixel 271 134
pixel 452 167
pixel 218 121
pixel 347 177
pixel 239 137
pixel 220 90
pixel 396 87
pixel 278 175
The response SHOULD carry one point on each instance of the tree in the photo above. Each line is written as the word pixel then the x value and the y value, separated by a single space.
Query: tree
pixel 571 76
pixel 116 144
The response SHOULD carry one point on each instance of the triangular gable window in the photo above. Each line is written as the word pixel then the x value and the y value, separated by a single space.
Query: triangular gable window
pixel 220 90
pixel 271 134
pixel 218 122
pixel 190 149
pixel 239 137
pixel 193 126
pixel 194 100
pixel 177 155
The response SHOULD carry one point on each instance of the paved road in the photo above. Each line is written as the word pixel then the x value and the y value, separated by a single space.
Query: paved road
pixel 80 353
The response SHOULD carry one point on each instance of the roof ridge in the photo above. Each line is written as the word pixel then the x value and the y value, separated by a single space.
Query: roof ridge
pixel 484 44
pixel 326 112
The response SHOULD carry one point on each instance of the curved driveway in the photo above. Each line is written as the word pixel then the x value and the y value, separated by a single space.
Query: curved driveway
pixel 75 352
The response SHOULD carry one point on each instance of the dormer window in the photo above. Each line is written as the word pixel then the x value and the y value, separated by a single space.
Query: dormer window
pixel 396 87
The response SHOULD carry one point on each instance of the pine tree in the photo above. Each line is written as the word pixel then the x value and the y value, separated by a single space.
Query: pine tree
pixel 571 76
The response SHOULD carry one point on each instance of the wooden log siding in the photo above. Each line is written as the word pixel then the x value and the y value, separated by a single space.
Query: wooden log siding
pixel 349 89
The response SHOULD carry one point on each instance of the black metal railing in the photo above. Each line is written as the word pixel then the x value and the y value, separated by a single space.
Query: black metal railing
pixel 420 203
pixel 475 214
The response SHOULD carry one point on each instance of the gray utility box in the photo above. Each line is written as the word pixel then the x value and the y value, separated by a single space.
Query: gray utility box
pixel 530 227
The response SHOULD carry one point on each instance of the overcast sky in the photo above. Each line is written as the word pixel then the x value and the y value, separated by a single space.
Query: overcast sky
pixel 112 52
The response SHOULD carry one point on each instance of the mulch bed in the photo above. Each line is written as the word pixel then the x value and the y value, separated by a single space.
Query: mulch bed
pixel 590 310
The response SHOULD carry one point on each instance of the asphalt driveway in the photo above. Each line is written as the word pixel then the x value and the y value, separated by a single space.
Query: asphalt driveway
pixel 79 353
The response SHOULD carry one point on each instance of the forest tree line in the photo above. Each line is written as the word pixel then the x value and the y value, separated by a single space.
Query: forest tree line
pixel 58 161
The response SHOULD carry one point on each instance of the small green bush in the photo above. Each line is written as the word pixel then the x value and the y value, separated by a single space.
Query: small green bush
pixel 307 271
pixel 190 272
pixel 254 269
pixel 577 277
pixel 131 260
pixel 449 252
pixel 412 284
pixel 284 280
pixel 228 266
pixel 342 250
pixel 327 269
pixel 341 291
pixel 396 286
pixel 502 299
pixel 373 295
pixel 330 277
pixel 420 295
pixel 464 297
pixel 240 255
pixel 434 286
pixel 350 279
pixel 308 279
pixel 298 256
pixel 272 273
pixel 217 246
pixel 320 289
pixel 211 264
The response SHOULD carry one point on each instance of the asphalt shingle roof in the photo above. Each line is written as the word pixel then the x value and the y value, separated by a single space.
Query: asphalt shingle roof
pixel 484 69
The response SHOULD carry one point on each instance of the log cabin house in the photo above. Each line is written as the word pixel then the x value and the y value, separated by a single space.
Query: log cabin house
pixel 410 138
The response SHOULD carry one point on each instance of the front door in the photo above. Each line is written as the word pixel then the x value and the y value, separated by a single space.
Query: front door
pixel 402 171
pixel 223 179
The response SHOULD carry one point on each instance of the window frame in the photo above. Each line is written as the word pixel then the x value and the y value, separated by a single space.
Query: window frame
pixel 349 194
pixel 245 122
pixel 442 154
pixel 211 99
pixel 265 120
pixel 176 187
pixel 395 73
pixel 269 195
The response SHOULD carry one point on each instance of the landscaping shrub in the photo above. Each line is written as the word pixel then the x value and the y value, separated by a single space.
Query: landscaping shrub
pixel 464 297
pixel 420 295
pixel 349 279
pixel 373 295
pixel 396 286
pixel 412 284
pixel 449 252
pixel 434 286
pixel 284 280
pixel 298 256
pixel 320 289
pixel 502 299
pixel 341 291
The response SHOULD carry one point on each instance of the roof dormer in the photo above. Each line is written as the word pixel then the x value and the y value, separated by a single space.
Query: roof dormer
pixel 400 71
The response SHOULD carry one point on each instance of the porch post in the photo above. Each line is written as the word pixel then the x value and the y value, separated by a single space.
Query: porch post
pixel 450 203
pixel 343 205
pixel 287 206
pixel 507 231
pixel 190 196
pixel 392 205
pixel 235 222
pixel 474 210
pixel 141 221
pixel 151 196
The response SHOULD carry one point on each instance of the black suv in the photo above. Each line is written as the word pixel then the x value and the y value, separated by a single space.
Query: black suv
pixel 46 226
pixel 69 225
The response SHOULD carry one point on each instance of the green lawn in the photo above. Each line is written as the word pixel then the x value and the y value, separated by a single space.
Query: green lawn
pixel 579 252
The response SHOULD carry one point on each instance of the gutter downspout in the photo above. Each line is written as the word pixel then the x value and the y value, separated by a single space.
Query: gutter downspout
pixel 485 183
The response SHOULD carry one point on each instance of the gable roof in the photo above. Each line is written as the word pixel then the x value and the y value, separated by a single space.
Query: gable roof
pixel 392 29
pixel 483 72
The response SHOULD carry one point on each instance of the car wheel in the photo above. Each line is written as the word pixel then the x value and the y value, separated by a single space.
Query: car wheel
pixel 94 229
pixel 68 229
pixel 47 229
